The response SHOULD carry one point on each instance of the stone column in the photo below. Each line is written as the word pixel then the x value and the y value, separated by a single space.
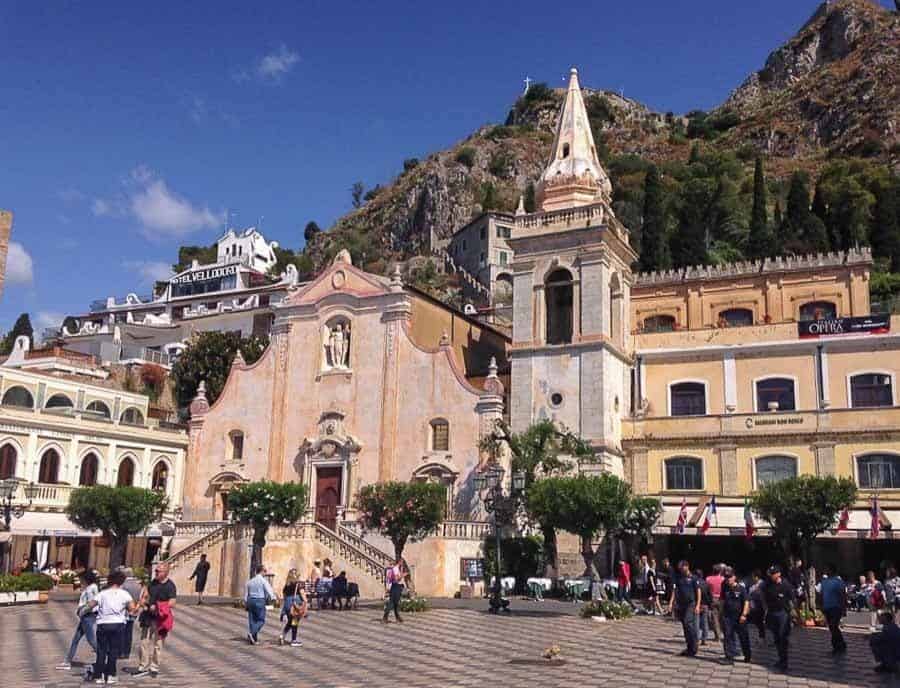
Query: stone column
pixel 281 333
pixel 638 471
pixel 728 468
pixel 198 410
pixel 394 317
pixel 524 296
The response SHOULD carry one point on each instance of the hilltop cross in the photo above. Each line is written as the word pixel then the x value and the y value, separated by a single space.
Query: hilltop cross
pixel 527 84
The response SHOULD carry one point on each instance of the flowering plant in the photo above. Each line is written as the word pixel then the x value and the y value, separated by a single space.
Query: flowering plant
pixel 263 503
pixel 401 511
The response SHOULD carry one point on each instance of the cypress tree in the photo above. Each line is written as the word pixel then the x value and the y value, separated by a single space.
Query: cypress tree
pixel 21 327
pixel 529 198
pixel 760 240
pixel 885 226
pixel 814 235
pixel 797 211
pixel 654 246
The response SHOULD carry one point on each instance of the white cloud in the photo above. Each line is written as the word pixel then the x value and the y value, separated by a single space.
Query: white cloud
pixel 161 211
pixel 150 271
pixel 101 207
pixel 19 265
pixel 71 195
pixel 271 67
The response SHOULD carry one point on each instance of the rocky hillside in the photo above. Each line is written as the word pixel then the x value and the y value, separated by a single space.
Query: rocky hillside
pixel 832 90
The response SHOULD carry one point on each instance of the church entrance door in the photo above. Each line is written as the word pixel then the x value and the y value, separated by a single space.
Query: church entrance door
pixel 328 495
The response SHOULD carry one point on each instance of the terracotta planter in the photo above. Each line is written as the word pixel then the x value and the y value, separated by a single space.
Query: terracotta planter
pixel 65 587
pixel 43 596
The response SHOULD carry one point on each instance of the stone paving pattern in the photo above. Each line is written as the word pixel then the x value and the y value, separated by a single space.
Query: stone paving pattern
pixel 461 646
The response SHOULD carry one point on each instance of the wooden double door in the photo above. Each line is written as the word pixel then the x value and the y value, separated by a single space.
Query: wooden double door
pixel 328 495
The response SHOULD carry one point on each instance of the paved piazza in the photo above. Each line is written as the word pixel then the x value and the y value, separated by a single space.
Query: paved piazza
pixel 458 646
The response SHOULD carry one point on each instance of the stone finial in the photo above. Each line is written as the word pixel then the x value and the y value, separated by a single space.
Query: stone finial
pixel 343 256
pixel 238 362
pixel 445 338
pixel 396 279
pixel 520 209
pixel 200 404
pixel 492 384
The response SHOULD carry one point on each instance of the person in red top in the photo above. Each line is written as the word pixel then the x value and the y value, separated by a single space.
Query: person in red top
pixel 623 578
pixel 714 581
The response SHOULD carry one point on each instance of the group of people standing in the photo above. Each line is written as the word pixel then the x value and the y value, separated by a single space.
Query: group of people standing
pixel 106 618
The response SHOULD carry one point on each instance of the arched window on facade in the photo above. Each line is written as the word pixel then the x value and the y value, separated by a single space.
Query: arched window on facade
pixel 440 435
pixel 125 477
pixel 772 469
pixel 659 323
pixel 99 408
pixel 688 399
pixel 132 416
pixel 59 401
pixel 735 317
pixel 879 471
pixel 48 472
pixel 89 469
pixel 8 455
pixel 160 476
pixel 433 473
pixel 18 397
pixel 558 295
pixel 236 438
pixel 817 310
pixel 777 391
pixel 684 473
pixel 871 389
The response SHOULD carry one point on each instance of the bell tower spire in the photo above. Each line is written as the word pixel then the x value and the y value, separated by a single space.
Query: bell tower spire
pixel 573 175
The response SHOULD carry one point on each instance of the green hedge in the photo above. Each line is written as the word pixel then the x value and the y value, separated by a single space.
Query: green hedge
pixel 25 582
pixel 611 610
pixel 414 604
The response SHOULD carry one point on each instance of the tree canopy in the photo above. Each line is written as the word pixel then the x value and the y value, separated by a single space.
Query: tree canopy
pixel 401 511
pixel 209 357
pixel 265 503
pixel 22 327
pixel 118 512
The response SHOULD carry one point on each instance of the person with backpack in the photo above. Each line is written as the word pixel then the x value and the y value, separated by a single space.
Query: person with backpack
pixel 293 609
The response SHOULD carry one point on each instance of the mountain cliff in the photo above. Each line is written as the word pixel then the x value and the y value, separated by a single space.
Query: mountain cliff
pixel 829 92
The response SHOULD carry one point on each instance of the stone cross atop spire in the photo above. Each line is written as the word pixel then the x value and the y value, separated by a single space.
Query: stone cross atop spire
pixel 573 175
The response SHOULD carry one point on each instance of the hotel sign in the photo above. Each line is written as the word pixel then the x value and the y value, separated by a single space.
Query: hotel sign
pixel 778 421
pixel 205 275
pixel 831 327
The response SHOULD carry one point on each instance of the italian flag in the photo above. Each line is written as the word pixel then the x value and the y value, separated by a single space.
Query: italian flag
pixel 843 520
pixel 749 528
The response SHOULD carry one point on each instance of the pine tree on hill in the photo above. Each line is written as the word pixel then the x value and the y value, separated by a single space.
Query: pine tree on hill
pixel 760 241
pixel 796 215
pixel 885 225
pixel 654 244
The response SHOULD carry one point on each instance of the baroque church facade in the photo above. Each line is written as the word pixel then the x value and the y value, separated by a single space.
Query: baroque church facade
pixel 690 384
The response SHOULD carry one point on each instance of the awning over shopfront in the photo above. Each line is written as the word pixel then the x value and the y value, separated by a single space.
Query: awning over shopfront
pixel 48 524
pixel 729 520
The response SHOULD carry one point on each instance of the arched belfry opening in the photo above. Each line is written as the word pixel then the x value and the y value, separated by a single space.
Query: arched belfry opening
pixel 558 291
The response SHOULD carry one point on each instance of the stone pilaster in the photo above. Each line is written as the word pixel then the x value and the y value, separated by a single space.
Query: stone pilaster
pixel 523 302
pixel 522 393
pixel 637 471
pixel 393 318
pixel 728 469
pixel 281 334
pixel 593 386
pixel 825 464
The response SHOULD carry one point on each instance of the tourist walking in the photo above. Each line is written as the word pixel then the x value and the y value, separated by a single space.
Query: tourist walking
pixel 655 588
pixel 667 574
pixel 886 645
pixel 778 599
pixel 256 594
pixel 892 588
pixel 705 608
pixel 623 578
pixel 293 609
pixel 201 571
pixel 135 588
pixel 735 613
pixel 394 588
pixel 834 607
pixel 112 606
pixel 714 582
pixel 156 620
pixel 757 611
pixel 875 598
pixel 86 616
pixel 685 603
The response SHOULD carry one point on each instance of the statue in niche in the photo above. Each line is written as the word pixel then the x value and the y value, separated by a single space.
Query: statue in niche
pixel 336 346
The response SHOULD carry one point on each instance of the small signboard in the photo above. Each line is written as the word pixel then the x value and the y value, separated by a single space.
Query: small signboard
pixel 472 569
pixel 879 323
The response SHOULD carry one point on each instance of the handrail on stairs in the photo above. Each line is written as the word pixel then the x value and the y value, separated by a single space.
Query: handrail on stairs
pixel 205 541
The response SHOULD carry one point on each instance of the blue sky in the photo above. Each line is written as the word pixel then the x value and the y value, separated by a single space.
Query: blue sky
pixel 127 129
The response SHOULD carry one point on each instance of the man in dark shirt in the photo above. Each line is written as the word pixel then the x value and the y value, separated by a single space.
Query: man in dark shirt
pixel 201 571
pixel 886 644
pixel 160 589
pixel 777 598
pixel 685 602
pixel 735 610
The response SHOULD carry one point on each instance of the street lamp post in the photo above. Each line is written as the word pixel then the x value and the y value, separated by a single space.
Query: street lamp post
pixel 502 506
pixel 11 510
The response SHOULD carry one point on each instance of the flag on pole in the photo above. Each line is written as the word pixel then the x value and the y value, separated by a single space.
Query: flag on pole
pixel 749 528
pixel 876 520
pixel 705 525
pixel 682 517
pixel 843 520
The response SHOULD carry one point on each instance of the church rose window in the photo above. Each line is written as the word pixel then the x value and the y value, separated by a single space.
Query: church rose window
pixel 559 307
pixel 684 473
pixel 879 471
pixel 772 469
pixel 688 399
pixel 775 390
pixel 871 389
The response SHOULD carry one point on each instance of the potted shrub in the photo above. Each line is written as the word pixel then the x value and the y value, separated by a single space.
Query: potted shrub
pixel 33 587
pixel 68 581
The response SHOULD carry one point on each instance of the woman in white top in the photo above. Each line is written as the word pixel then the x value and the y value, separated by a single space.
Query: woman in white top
pixel 112 605
pixel 87 618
